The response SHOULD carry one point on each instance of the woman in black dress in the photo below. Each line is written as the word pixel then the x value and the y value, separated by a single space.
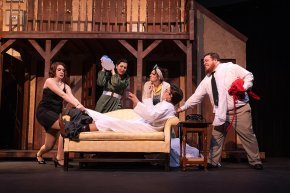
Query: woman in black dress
pixel 55 91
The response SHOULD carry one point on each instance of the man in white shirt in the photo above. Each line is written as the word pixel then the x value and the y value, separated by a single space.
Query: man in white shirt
pixel 223 108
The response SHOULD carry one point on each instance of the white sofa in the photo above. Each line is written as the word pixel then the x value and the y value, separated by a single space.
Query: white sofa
pixel 113 142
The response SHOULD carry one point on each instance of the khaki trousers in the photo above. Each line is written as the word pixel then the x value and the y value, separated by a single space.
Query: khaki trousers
pixel 243 126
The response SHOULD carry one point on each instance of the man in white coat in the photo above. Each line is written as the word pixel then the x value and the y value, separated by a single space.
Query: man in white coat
pixel 151 118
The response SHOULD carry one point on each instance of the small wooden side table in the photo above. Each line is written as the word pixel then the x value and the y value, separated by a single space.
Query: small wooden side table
pixel 201 128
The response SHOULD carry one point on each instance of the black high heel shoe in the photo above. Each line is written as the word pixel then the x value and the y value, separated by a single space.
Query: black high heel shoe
pixel 40 161
pixel 56 163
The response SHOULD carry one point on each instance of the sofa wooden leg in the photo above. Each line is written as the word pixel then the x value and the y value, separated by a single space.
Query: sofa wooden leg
pixel 66 160
pixel 167 162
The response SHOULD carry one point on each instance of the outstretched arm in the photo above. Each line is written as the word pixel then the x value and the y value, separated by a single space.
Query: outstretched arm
pixel 196 98
pixel 134 99
pixel 68 97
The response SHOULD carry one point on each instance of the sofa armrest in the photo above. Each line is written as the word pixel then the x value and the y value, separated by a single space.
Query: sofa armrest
pixel 167 128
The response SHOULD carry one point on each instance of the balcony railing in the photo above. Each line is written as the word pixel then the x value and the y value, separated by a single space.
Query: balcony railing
pixel 157 16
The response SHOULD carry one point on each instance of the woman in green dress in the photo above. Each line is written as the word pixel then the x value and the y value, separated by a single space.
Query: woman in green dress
pixel 114 83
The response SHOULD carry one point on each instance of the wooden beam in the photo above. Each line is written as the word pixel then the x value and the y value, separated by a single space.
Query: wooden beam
pixel 57 48
pixel 1 77
pixel 6 45
pixel 1 18
pixel 129 47
pixel 151 47
pixel 191 22
pixel 90 35
pixel 25 106
pixel 189 69
pixel 139 69
pixel 47 57
pixel 181 45
pixel 182 85
pixel 47 54
pixel 24 128
pixel 37 47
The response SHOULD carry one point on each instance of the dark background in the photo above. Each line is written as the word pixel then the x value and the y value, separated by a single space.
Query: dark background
pixel 266 24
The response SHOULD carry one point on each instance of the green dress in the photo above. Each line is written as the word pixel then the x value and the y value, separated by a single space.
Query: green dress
pixel 115 84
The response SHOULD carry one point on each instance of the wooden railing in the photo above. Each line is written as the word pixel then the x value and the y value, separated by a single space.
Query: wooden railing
pixel 157 16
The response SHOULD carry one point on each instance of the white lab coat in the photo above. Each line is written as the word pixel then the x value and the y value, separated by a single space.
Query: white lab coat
pixel 150 118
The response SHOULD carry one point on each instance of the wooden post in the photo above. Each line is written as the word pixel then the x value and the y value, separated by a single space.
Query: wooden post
pixel 139 54
pixel 189 69
pixel 191 21
pixel 32 104
pixel 1 20
pixel 1 78
pixel 139 69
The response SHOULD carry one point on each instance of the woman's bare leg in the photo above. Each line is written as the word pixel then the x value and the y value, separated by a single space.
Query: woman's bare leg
pixel 49 142
pixel 60 151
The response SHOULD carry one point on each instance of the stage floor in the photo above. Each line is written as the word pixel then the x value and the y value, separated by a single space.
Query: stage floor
pixel 29 176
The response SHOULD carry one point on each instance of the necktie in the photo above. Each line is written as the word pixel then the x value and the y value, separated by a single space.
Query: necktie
pixel 214 90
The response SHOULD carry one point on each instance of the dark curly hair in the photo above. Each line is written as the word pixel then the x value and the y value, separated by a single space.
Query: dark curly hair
pixel 177 94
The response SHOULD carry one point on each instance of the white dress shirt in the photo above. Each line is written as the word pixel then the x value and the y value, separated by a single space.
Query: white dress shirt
pixel 225 75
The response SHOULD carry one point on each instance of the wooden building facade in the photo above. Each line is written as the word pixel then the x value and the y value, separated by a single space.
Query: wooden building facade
pixel 175 34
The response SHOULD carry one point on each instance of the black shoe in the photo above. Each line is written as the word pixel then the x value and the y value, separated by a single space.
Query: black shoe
pixel 209 166
pixel 257 166
pixel 56 164
pixel 42 161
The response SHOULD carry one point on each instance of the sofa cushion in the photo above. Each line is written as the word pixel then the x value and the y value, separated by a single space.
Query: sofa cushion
pixel 114 136
pixel 123 114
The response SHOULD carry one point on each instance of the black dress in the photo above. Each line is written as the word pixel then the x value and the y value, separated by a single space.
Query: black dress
pixel 49 108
